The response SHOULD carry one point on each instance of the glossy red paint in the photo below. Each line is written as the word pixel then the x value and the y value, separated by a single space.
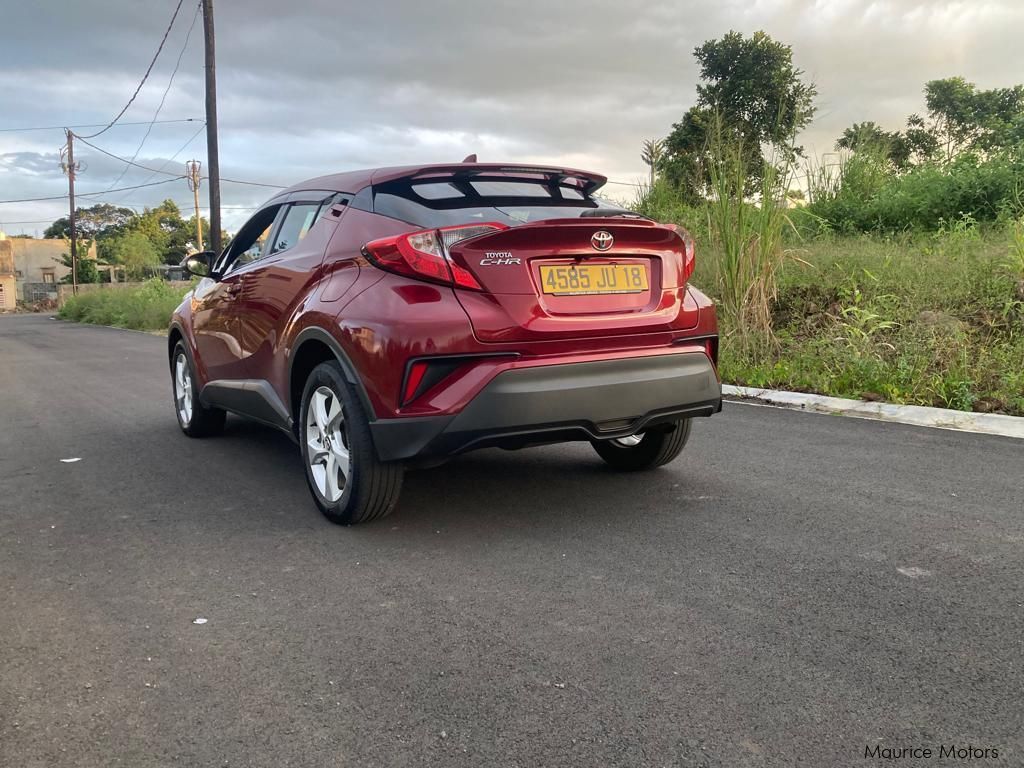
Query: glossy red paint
pixel 245 325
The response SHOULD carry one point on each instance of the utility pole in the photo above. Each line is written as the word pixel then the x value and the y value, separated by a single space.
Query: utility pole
pixel 212 155
pixel 192 168
pixel 69 167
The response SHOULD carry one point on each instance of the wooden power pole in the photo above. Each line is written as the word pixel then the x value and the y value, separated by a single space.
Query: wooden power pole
pixel 212 155
pixel 70 168
pixel 192 169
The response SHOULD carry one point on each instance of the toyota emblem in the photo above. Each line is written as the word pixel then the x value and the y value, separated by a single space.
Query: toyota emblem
pixel 602 240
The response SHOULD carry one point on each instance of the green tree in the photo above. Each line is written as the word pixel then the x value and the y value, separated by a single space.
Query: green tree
pixel 652 152
pixel 965 119
pixel 136 253
pixel 100 223
pixel 900 149
pixel 172 236
pixel 760 97
pixel 87 272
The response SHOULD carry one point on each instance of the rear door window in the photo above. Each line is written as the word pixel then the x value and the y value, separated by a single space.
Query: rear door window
pixel 505 200
pixel 298 220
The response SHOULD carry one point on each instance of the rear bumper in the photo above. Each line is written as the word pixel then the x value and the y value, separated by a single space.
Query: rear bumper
pixel 554 403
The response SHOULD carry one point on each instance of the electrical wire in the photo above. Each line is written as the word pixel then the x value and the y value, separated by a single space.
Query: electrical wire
pixel 250 183
pixel 180 150
pixel 144 77
pixel 125 160
pixel 96 125
pixel 163 98
pixel 89 194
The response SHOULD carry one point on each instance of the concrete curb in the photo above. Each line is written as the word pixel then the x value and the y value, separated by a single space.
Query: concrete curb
pixel 918 415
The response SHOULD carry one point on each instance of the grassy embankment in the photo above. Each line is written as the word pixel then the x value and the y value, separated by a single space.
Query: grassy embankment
pixel 146 308
pixel 929 319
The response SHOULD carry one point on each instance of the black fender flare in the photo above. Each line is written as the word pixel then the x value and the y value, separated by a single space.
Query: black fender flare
pixel 175 325
pixel 315 333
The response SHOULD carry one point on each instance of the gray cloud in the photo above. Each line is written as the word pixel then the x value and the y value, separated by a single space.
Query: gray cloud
pixel 314 85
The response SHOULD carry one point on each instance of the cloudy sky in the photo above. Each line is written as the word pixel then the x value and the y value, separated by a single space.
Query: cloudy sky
pixel 314 86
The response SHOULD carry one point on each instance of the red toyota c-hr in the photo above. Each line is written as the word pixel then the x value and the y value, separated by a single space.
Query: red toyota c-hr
pixel 396 317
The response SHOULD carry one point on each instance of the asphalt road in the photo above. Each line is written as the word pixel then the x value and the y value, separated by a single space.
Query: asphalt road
pixel 794 588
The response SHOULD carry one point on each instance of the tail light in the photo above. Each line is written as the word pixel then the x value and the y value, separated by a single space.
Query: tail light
pixel 424 254
pixel 689 255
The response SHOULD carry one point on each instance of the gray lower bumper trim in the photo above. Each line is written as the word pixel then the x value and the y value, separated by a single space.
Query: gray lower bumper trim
pixel 608 391
pixel 603 399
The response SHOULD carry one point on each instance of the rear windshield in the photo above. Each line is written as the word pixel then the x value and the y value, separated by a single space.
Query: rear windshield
pixel 439 203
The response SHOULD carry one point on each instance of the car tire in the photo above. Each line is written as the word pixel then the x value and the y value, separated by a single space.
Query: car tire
pixel 195 419
pixel 647 450
pixel 348 482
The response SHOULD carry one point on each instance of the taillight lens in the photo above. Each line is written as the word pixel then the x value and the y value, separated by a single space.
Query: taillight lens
pixel 424 254
pixel 689 254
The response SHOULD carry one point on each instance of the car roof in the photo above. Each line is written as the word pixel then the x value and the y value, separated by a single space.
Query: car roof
pixel 353 181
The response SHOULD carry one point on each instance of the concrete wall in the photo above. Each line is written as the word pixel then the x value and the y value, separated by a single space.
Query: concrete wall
pixel 34 259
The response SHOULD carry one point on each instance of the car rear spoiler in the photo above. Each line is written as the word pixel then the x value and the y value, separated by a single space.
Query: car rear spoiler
pixel 585 181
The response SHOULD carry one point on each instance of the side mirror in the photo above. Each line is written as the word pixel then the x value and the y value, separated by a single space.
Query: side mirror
pixel 200 264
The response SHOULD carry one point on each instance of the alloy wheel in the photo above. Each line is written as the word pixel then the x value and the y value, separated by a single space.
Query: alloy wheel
pixel 183 389
pixel 327 449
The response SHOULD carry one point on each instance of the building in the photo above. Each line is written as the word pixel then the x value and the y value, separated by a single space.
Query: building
pixel 8 278
pixel 36 265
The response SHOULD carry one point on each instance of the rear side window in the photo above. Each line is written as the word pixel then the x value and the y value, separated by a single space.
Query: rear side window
pixel 297 221
pixel 508 201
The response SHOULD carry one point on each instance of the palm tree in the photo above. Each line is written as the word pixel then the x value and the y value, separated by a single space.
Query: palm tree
pixel 653 151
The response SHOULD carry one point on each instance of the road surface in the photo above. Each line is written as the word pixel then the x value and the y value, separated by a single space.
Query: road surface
pixel 792 590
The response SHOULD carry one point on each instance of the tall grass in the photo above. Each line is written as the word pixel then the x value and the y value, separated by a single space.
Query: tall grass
pixel 746 236
pixel 146 308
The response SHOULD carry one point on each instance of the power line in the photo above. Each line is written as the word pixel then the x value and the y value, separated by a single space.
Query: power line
pixel 180 150
pixel 144 77
pixel 126 161
pixel 163 98
pixel 96 125
pixel 252 183
pixel 89 194
pixel 137 186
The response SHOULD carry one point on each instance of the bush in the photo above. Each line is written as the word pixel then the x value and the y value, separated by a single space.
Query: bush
pixel 863 194
pixel 146 308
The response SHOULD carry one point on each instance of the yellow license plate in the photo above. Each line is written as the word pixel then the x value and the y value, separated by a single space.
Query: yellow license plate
pixel 590 279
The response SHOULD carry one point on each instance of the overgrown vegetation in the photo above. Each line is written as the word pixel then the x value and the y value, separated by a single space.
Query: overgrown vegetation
pixel 899 274
pixel 863 193
pixel 928 318
pixel 146 308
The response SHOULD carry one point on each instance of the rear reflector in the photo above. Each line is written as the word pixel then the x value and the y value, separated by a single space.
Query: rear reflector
pixel 424 254
pixel 413 380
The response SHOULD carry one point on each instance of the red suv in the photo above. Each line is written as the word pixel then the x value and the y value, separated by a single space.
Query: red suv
pixel 395 317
